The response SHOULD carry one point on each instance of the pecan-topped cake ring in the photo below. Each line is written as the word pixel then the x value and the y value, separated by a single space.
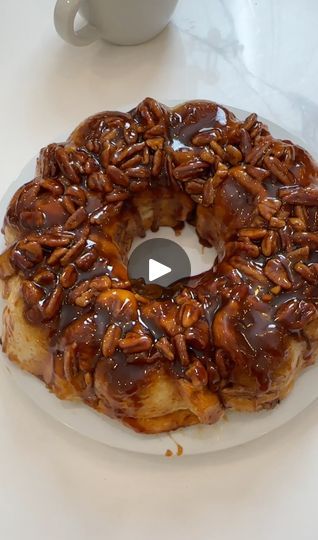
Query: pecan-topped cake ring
pixel 234 337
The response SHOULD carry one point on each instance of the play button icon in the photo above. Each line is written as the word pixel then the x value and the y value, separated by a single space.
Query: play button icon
pixel 159 261
pixel 157 270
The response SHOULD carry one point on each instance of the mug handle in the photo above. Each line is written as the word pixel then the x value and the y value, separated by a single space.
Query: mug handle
pixel 64 16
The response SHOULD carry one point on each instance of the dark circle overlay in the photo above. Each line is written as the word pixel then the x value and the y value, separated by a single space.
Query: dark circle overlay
pixel 164 252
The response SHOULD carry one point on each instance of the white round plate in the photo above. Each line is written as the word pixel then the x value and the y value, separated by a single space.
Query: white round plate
pixel 238 428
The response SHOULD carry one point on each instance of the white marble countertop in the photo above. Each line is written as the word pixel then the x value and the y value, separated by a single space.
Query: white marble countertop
pixel 253 54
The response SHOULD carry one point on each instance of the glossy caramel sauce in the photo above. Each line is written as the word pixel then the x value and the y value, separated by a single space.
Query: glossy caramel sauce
pixel 249 308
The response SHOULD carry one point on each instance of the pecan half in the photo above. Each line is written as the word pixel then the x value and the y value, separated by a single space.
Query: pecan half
pixel 53 304
pixel 32 251
pixel 120 303
pixel 70 362
pixel 76 194
pixel 78 290
pixel 76 219
pixel 156 143
pixel 190 313
pixel 306 238
pixel 197 374
pixel 165 348
pixel 245 142
pixel 86 261
pixel 100 283
pixel 248 268
pixel 53 186
pixel 253 234
pixel 130 134
pixel 135 343
pixel 105 213
pixel 56 255
pixel 32 294
pixel 306 272
pixel 53 239
pixel 190 170
pixel 64 163
pixel 208 192
pixel 117 176
pixel 6 268
pixel 157 163
pixel 208 156
pixel 151 110
pixel 99 181
pixel 69 276
pixel 257 172
pixel 257 153
pixel 181 347
pixel 268 207
pixel 132 162
pixel 233 154
pixel 278 169
pixel 138 172
pixel 296 314
pixel 250 121
pixel 195 187
pixel 31 219
pixel 158 130
pixel 68 204
pixel 301 213
pixel 110 340
pixel 198 336
pixel 44 277
pixel 128 152
pixel 277 223
pixel 300 195
pixel 218 150
pixel 93 146
pixel 247 182
pixel 73 252
pixel 169 322
pixel 201 139
pixel 242 247
pixel 297 224
pixel 299 254
pixel 85 298
pixel 117 195
pixel 275 271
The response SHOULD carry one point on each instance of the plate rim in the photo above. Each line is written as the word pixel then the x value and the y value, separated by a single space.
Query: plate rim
pixel 165 439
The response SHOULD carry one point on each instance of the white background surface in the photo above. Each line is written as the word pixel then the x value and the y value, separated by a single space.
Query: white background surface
pixel 257 55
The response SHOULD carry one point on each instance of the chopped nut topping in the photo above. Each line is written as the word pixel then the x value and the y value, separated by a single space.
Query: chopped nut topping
pixel 253 197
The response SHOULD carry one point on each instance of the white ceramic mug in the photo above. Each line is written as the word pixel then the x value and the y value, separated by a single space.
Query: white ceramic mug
pixel 124 22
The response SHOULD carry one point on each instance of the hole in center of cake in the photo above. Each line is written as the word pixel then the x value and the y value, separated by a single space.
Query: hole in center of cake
pixel 164 257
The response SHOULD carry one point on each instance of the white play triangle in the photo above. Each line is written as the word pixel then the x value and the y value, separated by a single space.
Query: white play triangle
pixel 157 270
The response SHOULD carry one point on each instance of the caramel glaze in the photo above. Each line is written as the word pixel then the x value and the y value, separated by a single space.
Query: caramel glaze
pixel 253 197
